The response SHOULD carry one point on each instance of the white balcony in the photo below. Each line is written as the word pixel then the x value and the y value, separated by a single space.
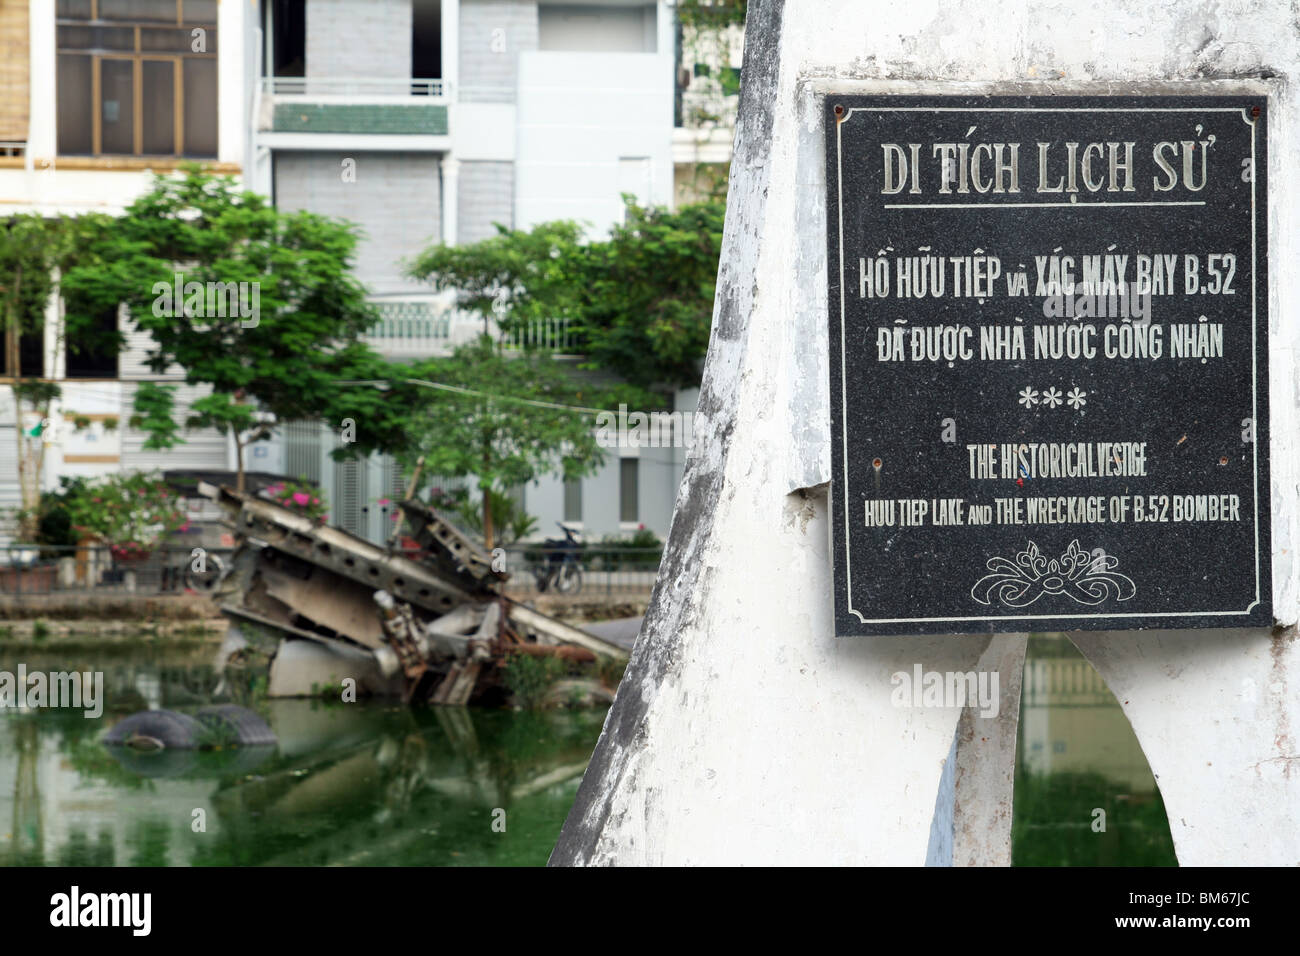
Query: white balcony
pixel 414 326
pixel 552 335
pixel 424 326
pixel 354 88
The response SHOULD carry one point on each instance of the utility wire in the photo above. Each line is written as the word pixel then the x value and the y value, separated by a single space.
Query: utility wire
pixel 470 391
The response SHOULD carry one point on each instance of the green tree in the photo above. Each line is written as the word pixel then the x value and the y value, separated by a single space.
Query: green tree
pixel 153 416
pixel 510 520
pixel 646 294
pixel 714 14
pixel 494 419
pixel 268 313
pixel 524 274
pixel 639 303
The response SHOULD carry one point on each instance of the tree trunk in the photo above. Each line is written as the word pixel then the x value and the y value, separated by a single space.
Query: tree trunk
pixel 13 371
pixel 239 465
pixel 488 534
pixel 27 524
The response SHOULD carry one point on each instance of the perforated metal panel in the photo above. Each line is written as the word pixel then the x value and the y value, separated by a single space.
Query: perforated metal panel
pixel 349 496
pixel 302 450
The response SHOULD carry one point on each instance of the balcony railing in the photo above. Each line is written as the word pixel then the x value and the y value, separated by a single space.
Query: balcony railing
pixel 419 326
pixel 343 86
pixel 412 326
pixel 549 334
pixel 1064 682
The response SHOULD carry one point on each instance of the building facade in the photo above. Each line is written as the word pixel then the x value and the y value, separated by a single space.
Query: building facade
pixel 419 120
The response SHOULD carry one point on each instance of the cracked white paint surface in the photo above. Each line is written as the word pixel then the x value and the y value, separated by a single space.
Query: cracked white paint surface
pixel 745 732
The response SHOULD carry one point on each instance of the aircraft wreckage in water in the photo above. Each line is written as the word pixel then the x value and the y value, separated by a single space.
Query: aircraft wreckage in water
pixel 429 625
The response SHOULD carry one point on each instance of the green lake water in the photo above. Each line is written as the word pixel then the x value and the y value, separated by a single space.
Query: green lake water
pixel 368 784
pixel 380 784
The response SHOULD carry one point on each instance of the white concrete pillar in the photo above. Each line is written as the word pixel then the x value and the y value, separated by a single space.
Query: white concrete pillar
pixel 972 814
pixel 260 176
pixel 450 46
pixel 233 121
pixel 1217 713
pixel 986 762
pixel 52 333
pixel 42 128
pixel 449 210
pixel 55 367
pixel 745 731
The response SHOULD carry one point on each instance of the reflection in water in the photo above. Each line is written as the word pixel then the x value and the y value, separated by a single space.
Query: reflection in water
pixel 1076 755
pixel 376 783
pixel 348 784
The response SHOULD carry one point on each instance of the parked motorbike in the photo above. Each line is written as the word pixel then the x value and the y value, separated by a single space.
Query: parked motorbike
pixel 559 569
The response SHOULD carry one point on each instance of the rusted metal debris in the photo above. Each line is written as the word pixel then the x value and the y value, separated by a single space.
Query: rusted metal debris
pixel 428 621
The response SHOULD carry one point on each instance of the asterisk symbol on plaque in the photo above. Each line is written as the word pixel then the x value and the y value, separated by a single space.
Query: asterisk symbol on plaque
pixel 1051 397
pixel 1028 397
pixel 1077 398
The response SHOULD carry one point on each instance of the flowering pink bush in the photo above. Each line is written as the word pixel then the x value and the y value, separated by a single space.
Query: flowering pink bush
pixel 299 497
pixel 111 510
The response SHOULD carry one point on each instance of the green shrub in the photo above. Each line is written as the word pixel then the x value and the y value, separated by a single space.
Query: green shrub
pixel 53 517
pixel 641 552
pixel 130 511
pixel 529 678
pixel 510 522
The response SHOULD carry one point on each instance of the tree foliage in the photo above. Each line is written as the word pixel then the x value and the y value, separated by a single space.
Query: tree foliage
pixel 33 250
pixel 523 272
pixel 130 511
pixel 495 435
pixel 153 416
pixel 714 14
pixel 639 302
pixel 278 356
pixel 646 294
pixel 510 521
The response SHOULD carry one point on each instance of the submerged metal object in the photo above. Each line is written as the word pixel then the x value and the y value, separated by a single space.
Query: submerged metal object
pixel 166 743
pixel 221 725
pixel 428 623
pixel 450 550
pixel 156 730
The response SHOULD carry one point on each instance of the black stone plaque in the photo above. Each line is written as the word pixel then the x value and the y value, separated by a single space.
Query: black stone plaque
pixel 1049 362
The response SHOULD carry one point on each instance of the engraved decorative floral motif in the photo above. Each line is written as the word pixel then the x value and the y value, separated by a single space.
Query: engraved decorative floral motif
pixel 1076 574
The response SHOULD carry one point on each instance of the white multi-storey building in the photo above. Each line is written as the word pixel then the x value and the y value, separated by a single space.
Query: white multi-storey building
pixel 419 120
